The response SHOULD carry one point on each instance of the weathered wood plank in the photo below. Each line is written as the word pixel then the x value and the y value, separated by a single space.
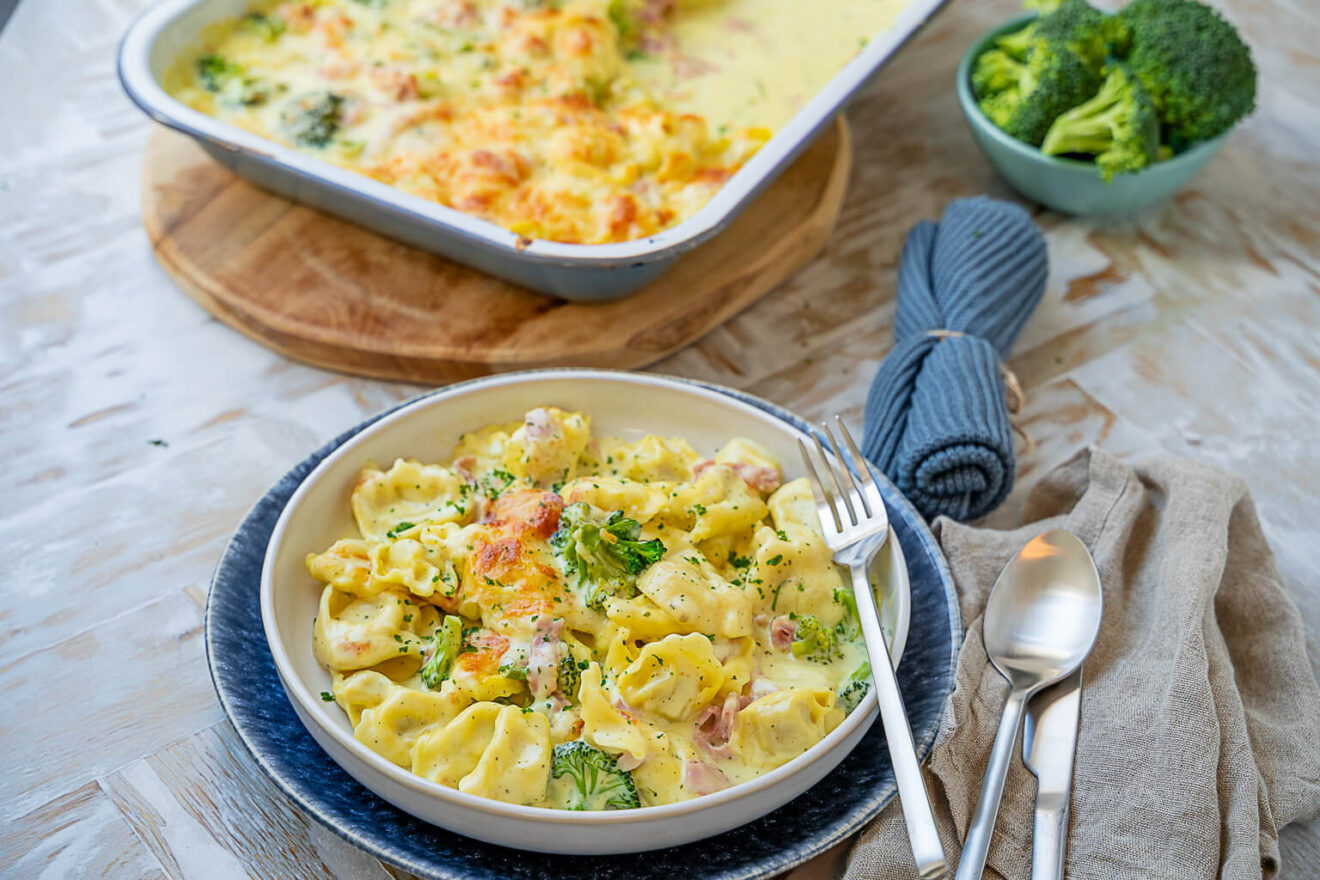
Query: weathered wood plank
pixel 205 809
pixel 101 698
pixel 79 834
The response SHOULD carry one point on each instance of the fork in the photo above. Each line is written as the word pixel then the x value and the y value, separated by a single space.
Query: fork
pixel 856 526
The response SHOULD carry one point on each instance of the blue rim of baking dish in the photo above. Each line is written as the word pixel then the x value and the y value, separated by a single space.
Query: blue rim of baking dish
pixel 251 695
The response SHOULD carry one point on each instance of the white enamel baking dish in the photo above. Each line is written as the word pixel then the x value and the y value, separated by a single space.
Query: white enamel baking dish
pixel 620 404
pixel 572 271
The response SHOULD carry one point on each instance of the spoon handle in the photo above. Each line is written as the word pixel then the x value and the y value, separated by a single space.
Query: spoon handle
pixel 977 845
pixel 923 836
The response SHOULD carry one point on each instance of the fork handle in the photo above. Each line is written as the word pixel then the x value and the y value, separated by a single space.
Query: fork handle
pixel 912 796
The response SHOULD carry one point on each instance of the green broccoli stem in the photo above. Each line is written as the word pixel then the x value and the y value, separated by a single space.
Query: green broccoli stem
pixel 446 643
pixel 1089 127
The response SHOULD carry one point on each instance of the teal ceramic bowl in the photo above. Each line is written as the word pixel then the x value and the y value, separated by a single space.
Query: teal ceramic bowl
pixel 1069 185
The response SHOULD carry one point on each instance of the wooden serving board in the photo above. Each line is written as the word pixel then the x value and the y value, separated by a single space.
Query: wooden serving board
pixel 324 291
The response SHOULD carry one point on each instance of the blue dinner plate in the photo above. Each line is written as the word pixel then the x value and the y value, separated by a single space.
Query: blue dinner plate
pixel 836 807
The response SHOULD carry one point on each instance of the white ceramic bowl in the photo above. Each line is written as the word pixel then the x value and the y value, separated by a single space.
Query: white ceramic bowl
pixel 621 404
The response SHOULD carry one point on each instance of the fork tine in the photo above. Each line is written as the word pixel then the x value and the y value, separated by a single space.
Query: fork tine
pixel 834 478
pixel 821 492
pixel 863 467
pixel 848 472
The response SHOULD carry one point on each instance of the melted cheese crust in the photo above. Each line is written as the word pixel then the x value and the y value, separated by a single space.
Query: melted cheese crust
pixel 689 679
pixel 520 112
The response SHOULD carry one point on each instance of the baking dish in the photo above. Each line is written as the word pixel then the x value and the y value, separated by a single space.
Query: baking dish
pixel 572 271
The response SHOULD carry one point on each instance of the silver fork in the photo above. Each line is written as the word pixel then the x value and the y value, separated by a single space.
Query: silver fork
pixel 856 525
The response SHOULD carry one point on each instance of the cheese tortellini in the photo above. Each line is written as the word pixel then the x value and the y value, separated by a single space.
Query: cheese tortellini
pixel 560 621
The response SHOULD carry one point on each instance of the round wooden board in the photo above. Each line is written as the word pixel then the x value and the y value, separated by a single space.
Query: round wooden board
pixel 324 291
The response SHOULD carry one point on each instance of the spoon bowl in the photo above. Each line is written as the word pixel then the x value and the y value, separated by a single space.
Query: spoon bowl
pixel 1044 611
pixel 1040 622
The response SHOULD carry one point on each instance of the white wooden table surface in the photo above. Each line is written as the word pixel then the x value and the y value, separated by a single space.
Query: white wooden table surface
pixel 136 430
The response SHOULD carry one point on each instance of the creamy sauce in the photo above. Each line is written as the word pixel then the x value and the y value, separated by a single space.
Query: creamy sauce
pixel 756 62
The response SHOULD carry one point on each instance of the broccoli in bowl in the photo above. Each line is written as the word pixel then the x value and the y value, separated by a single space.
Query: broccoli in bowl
pixel 1121 91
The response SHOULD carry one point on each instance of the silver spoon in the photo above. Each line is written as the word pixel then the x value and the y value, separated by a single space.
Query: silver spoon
pixel 1040 622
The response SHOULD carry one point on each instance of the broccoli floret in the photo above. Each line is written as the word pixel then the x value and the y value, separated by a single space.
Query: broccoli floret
pixel 1086 32
pixel 996 71
pixel 850 627
pixel 1194 65
pixel 226 78
pixel 597 783
pixel 445 646
pixel 570 674
pixel 1035 91
pixel 815 641
pixel 1118 126
pixel 854 687
pixel 216 71
pixel 312 120
pixel 266 26
pixel 604 557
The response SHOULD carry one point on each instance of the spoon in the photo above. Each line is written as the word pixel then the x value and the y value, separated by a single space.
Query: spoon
pixel 1040 622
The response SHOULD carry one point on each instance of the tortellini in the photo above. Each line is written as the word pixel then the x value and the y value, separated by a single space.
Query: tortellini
pixel 653 459
pixel 499 752
pixel 477 622
pixel 637 500
pixel 548 446
pixel 780 726
pixel 792 504
pixel 673 678
pixel 409 492
pixel 353 632
pixel 721 504
pixel 608 727
pixel 798 573
pixel 692 594
pixel 390 718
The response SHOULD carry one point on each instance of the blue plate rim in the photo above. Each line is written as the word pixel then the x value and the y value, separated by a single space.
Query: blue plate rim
pixel 757 866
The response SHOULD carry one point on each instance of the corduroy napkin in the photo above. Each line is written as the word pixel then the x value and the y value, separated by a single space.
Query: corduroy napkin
pixel 1200 727
pixel 936 417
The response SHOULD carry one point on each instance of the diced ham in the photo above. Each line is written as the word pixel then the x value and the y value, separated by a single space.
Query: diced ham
pixel 761 478
pixel 543 657
pixel 395 83
pixel 782 632
pixel 540 424
pixel 761 619
pixel 714 726
pixel 299 17
pixel 701 778
pixel 453 14
pixel 654 12
pixel 463 467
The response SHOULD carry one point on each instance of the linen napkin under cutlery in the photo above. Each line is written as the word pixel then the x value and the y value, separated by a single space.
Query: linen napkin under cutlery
pixel 1200 713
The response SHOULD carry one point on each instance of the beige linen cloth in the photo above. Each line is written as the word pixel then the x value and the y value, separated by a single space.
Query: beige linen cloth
pixel 1200 730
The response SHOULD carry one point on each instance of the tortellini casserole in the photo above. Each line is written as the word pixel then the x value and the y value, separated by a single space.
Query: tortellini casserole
pixel 583 121
pixel 563 621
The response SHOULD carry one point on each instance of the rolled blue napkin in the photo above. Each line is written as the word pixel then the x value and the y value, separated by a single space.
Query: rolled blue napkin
pixel 936 416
